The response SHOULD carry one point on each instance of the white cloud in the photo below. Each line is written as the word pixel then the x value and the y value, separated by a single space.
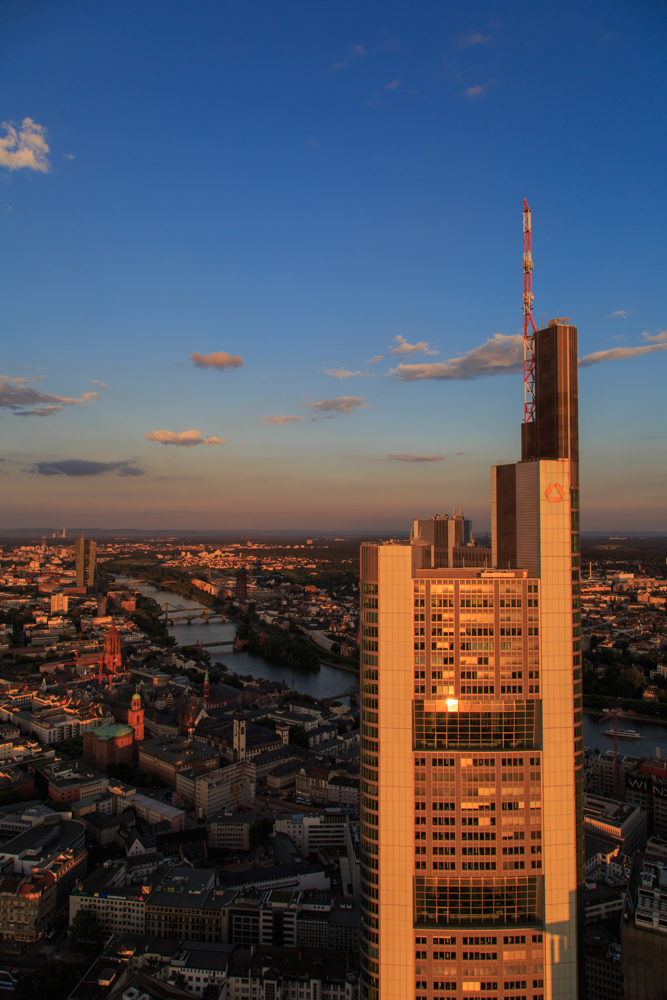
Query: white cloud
pixel 219 360
pixel 341 404
pixel 24 147
pixel 500 355
pixel 69 156
pixel 393 85
pixel 341 372
pixel 416 458
pixel 337 67
pixel 357 50
pixel 658 342
pixel 619 314
pixel 464 41
pixel 96 381
pixel 474 92
pixel 182 439
pixel 282 420
pixel 405 349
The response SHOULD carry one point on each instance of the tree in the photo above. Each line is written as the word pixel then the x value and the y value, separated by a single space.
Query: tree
pixel 53 979
pixel 299 737
pixel 260 831
pixel 85 934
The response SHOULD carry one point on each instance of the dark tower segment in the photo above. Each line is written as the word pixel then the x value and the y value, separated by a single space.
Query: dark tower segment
pixel 554 433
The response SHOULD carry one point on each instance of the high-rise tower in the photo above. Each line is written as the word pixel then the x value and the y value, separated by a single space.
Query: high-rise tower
pixel 471 751
pixel 84 560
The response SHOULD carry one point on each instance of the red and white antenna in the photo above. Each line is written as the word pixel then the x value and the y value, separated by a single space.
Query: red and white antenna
pixel 528 323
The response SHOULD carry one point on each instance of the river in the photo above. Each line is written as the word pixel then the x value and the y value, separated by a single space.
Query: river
pixel 328 680
pixel 323 682
pixel 653 734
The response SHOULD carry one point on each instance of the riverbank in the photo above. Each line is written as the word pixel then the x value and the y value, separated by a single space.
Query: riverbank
pixel 597 713
pixel 326 680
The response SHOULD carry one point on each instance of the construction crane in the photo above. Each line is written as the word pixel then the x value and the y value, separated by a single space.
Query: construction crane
pixel 529 330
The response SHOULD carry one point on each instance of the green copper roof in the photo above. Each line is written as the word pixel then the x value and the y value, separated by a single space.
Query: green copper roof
pixel 110 732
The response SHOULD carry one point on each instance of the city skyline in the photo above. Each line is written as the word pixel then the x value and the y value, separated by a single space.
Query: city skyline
pixel 262 269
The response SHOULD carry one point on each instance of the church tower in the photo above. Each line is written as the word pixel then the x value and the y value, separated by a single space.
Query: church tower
pixel 113 658
pixel 135 717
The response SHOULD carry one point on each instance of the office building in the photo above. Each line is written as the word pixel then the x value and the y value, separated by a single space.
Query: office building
pixel 118 909
pixel 471 734
pixel 59 604
pixel 644 930
pixel 84 560
pixel 451 540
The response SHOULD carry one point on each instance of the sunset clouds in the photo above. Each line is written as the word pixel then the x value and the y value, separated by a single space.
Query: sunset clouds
pixel 500 355
pixel 20 397
pixel 282 420
pixel 80 467
pixel 341 404
pixel 24 147
pixel 658 342
pixel 219 360
pixel 182 439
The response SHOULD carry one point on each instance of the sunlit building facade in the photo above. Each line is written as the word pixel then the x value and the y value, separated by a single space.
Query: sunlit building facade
pixel 471 743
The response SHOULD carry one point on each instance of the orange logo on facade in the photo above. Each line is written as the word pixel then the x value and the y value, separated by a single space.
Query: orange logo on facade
pixel 554 493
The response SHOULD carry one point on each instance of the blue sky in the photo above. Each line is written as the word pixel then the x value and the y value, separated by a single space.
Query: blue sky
pixel 305 187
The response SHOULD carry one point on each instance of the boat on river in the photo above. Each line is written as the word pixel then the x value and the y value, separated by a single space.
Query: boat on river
pixel 624 734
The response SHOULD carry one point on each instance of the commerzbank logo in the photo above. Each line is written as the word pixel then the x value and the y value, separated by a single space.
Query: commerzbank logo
pixel 554 493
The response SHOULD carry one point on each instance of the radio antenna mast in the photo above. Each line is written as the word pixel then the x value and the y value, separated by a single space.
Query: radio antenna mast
pixel 528 322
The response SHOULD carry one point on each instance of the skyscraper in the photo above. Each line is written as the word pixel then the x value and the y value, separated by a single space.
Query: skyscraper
pixel 471 742
pixel 84 560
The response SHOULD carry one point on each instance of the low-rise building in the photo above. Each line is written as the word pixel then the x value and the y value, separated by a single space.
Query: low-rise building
pixel 210 791
pixel 604 978
pixel 118 909
pixel 614 824
pixel 229 831
pixel 644 930
pixel 56 847
pixel 167 756
pixel 289 876
pixel 284 972
pixel 27 906
pixel 73 781
pixel 185 904
pixel 15 779
pixel 155 813
pixel 20 817
pixel 310 832
pixel 104 829
pixel 198 964
pixel 603 901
